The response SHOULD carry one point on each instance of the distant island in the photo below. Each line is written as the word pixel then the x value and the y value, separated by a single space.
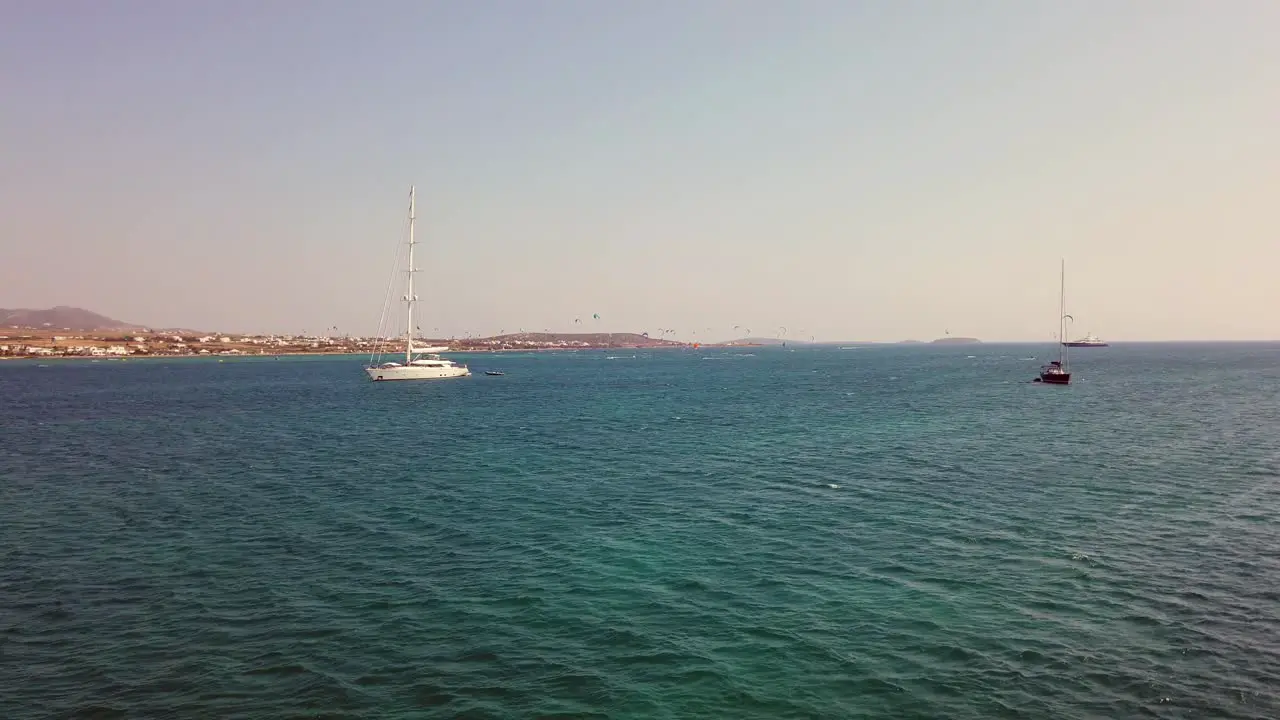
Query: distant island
pixel 949 340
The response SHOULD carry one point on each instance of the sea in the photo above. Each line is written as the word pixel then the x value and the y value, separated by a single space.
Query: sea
pixel 803 532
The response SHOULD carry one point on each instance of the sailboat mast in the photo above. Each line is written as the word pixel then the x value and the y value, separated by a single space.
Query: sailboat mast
pixel 1062 314
pixel 410 297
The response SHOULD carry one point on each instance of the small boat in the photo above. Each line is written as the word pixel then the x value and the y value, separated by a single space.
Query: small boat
pixel 494 373
pixel 1089 340
pixel 1057 372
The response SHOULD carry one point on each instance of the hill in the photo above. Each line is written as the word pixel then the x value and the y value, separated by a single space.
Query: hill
pixel 60 318
pixel 956 341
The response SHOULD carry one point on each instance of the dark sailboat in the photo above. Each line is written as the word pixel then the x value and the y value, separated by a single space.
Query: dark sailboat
pixel 1058 372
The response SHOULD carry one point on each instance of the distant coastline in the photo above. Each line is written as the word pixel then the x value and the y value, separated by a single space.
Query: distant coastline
pixel 956 341
pixel 118 344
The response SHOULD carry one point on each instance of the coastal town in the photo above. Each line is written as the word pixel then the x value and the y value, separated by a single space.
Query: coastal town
pixel 44 343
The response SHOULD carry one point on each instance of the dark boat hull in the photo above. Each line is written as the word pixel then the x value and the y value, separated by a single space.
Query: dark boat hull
pixel 1056 378
pixel 1083 345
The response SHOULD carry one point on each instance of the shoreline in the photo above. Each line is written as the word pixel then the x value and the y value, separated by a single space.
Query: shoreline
pixel 459 351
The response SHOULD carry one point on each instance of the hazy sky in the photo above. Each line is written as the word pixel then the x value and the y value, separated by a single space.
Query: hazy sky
pixel 874 170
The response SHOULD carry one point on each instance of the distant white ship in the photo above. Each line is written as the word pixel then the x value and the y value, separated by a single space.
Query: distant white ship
pixel 427 365
pixel 1089 340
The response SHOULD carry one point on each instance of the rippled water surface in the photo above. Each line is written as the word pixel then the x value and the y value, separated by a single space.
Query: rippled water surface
pixel 872 533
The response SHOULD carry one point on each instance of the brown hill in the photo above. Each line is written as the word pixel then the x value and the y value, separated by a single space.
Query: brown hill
pixel 60 318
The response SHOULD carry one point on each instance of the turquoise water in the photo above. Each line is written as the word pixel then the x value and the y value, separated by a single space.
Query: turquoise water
pixel 874 533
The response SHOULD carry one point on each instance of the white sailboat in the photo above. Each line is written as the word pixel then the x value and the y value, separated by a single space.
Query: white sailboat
pixel 427 365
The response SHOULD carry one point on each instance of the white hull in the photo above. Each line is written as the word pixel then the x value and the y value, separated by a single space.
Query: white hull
pixel 409 372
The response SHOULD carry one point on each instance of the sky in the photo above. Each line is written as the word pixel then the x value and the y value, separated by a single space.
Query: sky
pixel 846 170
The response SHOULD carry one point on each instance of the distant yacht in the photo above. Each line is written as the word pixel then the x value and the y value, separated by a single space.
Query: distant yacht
pixel 1089 340
pixel 428 365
